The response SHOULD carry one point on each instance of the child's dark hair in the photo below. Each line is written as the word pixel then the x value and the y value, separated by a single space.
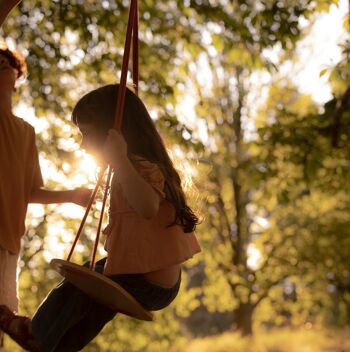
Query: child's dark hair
pixel 98 108
pixel 16 60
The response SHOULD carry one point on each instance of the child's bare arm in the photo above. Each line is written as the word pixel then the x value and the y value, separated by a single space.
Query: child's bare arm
pixel 5 8
pixel 78 196
pixel 139 193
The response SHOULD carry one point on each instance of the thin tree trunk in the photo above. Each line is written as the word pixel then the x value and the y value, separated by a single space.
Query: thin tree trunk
pixel 244 318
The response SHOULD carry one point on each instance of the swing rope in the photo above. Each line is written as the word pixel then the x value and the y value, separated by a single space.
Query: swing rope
pixel 92 198
pixel 93 256
pixel 131 37
pixel 122 87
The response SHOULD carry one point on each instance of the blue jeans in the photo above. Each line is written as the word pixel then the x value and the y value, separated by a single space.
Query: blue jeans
pixel 67 320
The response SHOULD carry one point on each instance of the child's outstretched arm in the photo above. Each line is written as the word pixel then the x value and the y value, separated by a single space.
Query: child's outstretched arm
pixel 6 7
pixel 78 196
pixel 139 193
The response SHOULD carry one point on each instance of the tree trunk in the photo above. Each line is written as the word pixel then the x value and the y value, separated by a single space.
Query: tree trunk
pixel 244 318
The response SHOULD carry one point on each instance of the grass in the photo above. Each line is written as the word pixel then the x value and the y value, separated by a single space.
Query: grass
pixel 277 340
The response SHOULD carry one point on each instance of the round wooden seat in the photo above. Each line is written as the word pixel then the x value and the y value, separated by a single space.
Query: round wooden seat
pixel 101 289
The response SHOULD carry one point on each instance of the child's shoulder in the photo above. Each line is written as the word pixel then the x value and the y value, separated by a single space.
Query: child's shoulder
pixel 20 124
pixel 149 169
pixel 141 162
pixel 22 121
pixel 151 172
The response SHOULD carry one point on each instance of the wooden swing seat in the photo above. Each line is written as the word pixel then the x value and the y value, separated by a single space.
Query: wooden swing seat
pixel 101 289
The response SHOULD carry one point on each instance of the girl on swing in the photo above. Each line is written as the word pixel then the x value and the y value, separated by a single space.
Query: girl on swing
pixel 150 230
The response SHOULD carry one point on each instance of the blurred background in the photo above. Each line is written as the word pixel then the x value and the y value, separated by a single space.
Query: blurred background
pixel 253 100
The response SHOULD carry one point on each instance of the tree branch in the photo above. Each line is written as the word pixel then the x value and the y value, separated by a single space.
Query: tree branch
pixel 339 110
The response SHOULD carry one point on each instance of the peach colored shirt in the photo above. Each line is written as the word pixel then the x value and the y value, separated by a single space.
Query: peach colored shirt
pixel 19 174
pixel 138 245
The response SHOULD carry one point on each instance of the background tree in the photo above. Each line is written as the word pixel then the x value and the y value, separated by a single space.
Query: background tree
pixel 236 203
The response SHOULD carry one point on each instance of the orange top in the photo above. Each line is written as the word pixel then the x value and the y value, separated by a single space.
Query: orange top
pixel 138 245
pixel 19 174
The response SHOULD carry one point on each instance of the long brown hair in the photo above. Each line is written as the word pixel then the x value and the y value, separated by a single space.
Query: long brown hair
pixel 98 108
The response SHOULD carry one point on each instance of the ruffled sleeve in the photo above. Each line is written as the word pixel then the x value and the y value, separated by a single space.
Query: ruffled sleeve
pixel 152 174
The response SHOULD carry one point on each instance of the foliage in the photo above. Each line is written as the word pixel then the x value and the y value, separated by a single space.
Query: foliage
pixel 269 182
